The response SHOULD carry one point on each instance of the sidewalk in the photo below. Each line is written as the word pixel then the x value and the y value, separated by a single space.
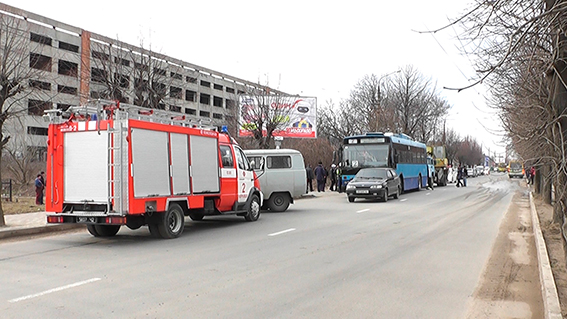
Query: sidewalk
pixel 30 224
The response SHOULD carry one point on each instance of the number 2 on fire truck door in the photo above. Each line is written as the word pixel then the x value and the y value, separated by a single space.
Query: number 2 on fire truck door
pixel 245 175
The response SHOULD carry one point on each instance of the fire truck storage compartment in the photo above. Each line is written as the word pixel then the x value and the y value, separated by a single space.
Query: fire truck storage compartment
pixel 180 164
pixel 194 163
pixel 205 164
pixel 86 167
pixel 150 162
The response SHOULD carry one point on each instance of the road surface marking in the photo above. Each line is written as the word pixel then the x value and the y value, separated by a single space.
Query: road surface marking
pixel 362 210
pixel 403 200
pixel 55 290
pixel 282 232
pixel 427 194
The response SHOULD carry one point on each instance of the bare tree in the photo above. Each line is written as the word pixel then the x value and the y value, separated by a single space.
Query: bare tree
pixel 132 76
pixel 337 121
pixel 417 106
pixel 23 162
pixel 521 48
pixel 19 71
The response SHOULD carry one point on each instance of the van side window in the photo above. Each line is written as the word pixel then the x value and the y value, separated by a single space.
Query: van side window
pixel 278 162
pixel 226 155
pixel 257 162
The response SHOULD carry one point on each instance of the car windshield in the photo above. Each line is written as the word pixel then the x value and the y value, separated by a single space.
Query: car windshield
pixel 515 165
pixel 372 173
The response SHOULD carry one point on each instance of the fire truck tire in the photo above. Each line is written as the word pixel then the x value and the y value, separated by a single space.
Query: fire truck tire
pixel 278 202
pixel 92 230
pixel 172 222
pixel 253 212
pixel 107 230
pixel 154 231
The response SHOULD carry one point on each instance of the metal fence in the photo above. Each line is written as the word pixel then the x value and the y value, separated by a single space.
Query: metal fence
pixel 7 190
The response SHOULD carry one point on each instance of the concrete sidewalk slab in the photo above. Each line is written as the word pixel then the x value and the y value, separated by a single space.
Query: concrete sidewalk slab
pixel 31 224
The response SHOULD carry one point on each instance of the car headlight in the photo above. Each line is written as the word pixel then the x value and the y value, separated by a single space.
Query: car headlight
pixel 350 187
pixel 376 186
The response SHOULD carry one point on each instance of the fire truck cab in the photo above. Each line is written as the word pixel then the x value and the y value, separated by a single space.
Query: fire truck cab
pixel 110 165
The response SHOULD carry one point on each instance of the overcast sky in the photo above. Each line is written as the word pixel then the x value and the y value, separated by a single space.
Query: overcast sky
pixel 311 48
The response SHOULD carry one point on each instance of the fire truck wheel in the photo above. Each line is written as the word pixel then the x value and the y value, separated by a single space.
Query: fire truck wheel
pixel 279 202
pixel 172 222
pixel 254 210
pixel 154 231
pixel 92 230
pixel 107 230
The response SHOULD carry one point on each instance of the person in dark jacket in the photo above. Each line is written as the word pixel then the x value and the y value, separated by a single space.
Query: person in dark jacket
pixel 38 190
pixel 459 176
pixel 321 175
pixel 333 177
pixel 310 177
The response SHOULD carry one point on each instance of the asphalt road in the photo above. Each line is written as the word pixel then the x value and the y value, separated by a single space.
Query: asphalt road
pixel 417 257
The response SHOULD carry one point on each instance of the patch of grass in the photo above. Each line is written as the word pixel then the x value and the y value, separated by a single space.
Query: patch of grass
pixel 21 205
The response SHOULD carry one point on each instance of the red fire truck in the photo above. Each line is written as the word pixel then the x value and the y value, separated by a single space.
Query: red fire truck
pixel 110 165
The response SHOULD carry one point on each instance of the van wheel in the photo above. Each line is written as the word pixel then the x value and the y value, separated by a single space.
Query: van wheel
pixel 107 230
pixel 419 183
pixel 92 230
pixel 278 202
pixel 253 212
pixel 172 223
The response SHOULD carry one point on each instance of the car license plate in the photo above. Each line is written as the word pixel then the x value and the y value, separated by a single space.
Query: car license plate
pixel 362 191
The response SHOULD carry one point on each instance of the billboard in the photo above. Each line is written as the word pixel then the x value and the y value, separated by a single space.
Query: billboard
pixel 297 115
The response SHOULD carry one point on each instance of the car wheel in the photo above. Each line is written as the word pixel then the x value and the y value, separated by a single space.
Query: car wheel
pixel 172 222
pixel 254 210
pixel 397 194
pixel 278 202
pixel 351 199
pixel 385 198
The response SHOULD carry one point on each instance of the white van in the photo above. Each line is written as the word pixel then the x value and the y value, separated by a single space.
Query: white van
pixel 282 176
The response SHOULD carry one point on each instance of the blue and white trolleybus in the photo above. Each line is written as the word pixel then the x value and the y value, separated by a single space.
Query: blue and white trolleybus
pixel 397 151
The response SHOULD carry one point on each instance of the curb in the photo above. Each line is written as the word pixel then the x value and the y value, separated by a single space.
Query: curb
pixel 23 231
pixel 551 306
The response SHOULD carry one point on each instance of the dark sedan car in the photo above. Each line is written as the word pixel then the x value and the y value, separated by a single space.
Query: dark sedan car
pixel 374 183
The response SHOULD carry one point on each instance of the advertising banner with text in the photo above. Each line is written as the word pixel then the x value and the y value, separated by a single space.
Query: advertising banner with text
pixel 298 115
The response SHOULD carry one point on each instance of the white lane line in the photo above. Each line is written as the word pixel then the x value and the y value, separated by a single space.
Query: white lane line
pixel 403 200
pixel 54 290
pixel 362 210
pixel 427 194
pixel 282 232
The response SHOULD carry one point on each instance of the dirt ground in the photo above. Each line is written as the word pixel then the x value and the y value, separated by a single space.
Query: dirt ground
pixel 555 249
pixel 509 286
pixel 21 205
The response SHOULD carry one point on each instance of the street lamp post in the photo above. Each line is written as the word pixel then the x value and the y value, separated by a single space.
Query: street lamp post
pixel 380 95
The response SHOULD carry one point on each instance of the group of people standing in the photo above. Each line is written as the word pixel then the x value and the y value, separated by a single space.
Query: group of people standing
pixel 462 174
pixel 320 173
